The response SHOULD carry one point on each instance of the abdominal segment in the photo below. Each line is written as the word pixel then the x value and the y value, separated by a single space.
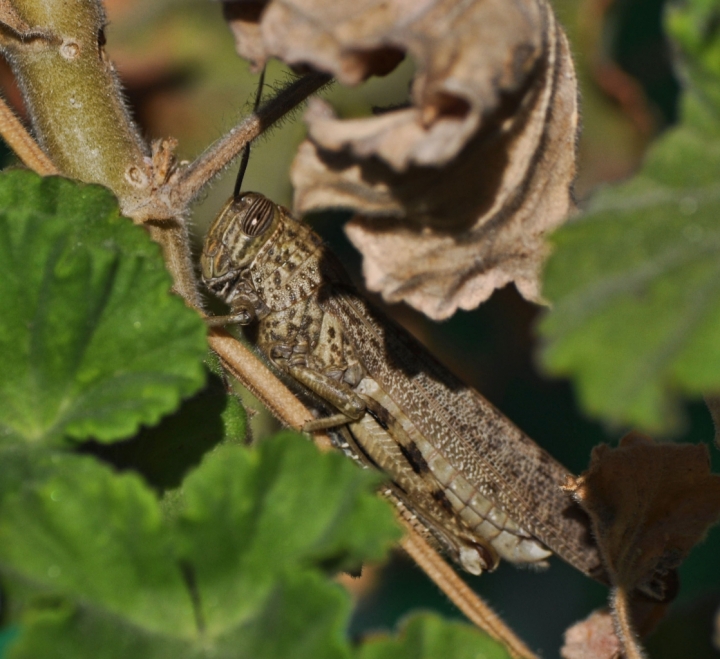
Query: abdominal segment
pixel 468 524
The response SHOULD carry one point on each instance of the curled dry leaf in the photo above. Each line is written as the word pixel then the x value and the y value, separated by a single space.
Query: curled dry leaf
pixel 454 192
pixel 592 638
pixel 649 505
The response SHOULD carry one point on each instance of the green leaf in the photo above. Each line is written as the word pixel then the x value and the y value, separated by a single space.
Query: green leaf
pixel 693 25
pixel 93 569
pixel 77 531
pixel 635 284
pixel 427 636
pixel 276 510
pixel 92 344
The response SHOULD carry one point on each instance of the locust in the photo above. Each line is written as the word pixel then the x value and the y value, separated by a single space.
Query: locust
pixel 478 487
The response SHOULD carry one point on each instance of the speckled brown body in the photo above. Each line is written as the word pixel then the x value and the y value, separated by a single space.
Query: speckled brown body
pixel 457 466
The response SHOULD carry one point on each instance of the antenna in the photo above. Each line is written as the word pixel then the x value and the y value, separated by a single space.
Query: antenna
pixel 246 150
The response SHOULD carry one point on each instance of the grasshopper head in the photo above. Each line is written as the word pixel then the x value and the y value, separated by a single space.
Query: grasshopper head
pixel 235 238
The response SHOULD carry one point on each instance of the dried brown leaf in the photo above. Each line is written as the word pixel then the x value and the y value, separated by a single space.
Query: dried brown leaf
pixel 649 505
pixel 454 192
pixel 592 638
pixel 605 635
pixel 243 17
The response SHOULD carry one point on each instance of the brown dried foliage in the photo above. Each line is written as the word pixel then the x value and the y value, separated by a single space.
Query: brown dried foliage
pixel 454 192
pixel 649 504
pixel 592 638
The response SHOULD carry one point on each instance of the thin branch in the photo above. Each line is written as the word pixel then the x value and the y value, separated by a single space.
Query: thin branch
pixel 244 365
pixel 620 604
pixel 466 599
pixel 22 143
pixel 199 173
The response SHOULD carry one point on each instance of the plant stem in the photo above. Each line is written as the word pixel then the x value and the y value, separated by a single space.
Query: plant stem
pixel 22 143
pixel 242 364
pixel 469 602
pixel 73 96
pixel 197 175
pixel 623 624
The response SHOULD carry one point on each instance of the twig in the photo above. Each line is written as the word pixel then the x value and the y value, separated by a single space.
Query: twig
pixel 262 383
pixel 199 173
pixel 172 236
pixel 623 625
pixel 467 600
pixel 22 143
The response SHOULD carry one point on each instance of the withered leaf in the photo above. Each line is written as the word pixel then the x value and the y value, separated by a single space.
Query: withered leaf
pixel 454 192
pixel 592 638
pixel 649 505
pixel 243 16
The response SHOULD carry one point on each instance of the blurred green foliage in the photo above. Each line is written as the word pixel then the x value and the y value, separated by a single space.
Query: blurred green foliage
pixel 632 281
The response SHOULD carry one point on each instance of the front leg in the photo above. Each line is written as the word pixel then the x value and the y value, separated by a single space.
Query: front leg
pixel 244 310
pixel 350 405
pixel 238 317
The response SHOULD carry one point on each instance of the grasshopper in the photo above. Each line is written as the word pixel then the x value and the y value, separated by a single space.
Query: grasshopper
pixel 460 470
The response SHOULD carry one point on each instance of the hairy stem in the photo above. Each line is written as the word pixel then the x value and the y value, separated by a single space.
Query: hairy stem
pixel 469 602
pixel 260 380
pixel 72 93
pixel 22 143
pixel 620 602
pixel 173 237
pixel 196 176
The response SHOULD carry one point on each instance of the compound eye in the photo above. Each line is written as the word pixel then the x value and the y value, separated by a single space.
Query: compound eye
pixel 257 217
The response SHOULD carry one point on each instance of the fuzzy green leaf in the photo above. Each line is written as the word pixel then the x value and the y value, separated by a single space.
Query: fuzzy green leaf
pixel 693 25
pixel 92 344
pixel 319 516
pixel 75 531
pixel 427 636
pixel 240 570
pixel 635 284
